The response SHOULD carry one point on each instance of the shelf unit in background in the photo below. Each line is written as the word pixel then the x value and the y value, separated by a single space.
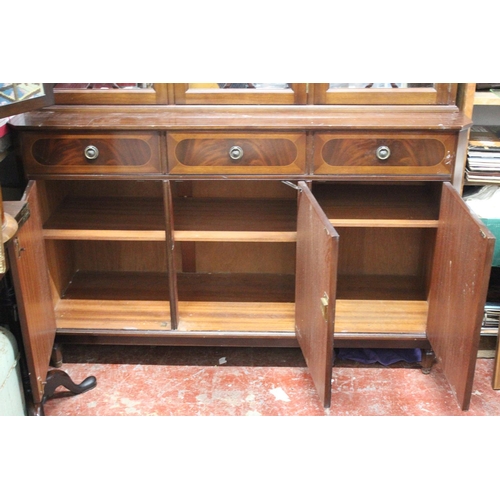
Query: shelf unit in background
pixel 484 108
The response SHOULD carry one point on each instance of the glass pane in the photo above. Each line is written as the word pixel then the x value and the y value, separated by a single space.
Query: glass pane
pixel 379 85
pixel 17 92
pixel 102 86
pixel 260 86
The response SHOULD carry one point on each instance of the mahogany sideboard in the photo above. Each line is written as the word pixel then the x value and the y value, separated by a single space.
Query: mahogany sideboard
pixel 301 224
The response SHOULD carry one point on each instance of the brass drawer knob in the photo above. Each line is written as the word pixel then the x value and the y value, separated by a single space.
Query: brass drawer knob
pixel 235 153
pixel 91 152
pixel 383 152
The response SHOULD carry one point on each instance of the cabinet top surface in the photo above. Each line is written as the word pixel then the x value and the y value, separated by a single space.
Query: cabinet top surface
pixel 313 117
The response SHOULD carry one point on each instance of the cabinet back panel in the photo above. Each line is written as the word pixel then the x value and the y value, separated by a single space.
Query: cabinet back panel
pixel 120 256
pixel 384 201
pixel 242 189
pixel 61 265
pixel 231 257
pixel 235 287
pixel 367 250
pixel 52 195
pixel 55 192
pixel 100 188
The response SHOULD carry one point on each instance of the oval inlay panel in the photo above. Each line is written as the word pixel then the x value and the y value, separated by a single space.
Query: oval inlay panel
pixel 404 152
pixel 126 152
pixel 256 152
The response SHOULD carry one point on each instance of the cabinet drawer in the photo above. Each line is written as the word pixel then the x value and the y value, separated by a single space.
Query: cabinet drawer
pixel 370 153
pixel 81 153
pixel 236 153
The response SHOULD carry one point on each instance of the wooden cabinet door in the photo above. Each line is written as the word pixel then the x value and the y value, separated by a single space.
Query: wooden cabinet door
pixel 459 283
pixel 316 281
pixel 246 93
pixel 430 94
pixel 31 282
pixel 111 93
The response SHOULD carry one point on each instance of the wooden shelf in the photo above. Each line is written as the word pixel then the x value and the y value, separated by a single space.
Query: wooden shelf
pixel 354 318
pixel 383 223
pixel 406 317
pixel 115 300
pixel 143 219
pixel 96 234
pixel 487 98
pixel 207 219
pixel 239 303
pixel 97 315
pixel 237 316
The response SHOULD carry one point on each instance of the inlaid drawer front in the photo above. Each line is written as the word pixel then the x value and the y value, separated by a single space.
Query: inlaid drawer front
pixel 236 153
pixel 113 153
pixel 412 153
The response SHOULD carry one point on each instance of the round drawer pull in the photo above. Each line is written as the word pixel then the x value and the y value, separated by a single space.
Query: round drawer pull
pixel 383 152
pixel 235 153
pixel 91 152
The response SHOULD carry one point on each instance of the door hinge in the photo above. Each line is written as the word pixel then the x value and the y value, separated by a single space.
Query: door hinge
pixel 41 385
pixel 324 306
pixel 18 247
pixel 3 262
pixel 292 185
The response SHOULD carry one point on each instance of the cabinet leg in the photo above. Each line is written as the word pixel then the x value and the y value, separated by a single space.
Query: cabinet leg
pixel 36 410
pixel 428 358
pixel 56 358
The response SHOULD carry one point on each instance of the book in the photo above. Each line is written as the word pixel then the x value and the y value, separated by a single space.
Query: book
pixel 483 154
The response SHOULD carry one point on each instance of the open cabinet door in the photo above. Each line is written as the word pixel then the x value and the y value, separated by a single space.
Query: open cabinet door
pixel 316 282
pixel 459 284
pixel 31 283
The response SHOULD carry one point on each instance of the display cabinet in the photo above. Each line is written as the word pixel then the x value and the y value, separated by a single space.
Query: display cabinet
pixel 296 226
pixel 422 94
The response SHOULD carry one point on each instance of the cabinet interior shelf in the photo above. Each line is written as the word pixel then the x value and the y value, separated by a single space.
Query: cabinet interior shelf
pixel 233 302
pixel 487 98
pixel 405 318
pixel 211 219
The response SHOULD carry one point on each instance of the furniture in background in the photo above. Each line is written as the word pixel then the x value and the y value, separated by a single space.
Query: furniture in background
pixel 483 106
pixel 496 371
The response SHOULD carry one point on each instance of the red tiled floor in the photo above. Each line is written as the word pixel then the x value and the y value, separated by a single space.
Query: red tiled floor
pixel 250 381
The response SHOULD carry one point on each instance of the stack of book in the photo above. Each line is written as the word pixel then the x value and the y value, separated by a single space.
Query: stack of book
pixel 492 307
pixel 490 319
pixel 483 155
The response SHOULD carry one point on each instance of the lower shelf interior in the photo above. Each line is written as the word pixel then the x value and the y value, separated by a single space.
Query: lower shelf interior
pixel 234 303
